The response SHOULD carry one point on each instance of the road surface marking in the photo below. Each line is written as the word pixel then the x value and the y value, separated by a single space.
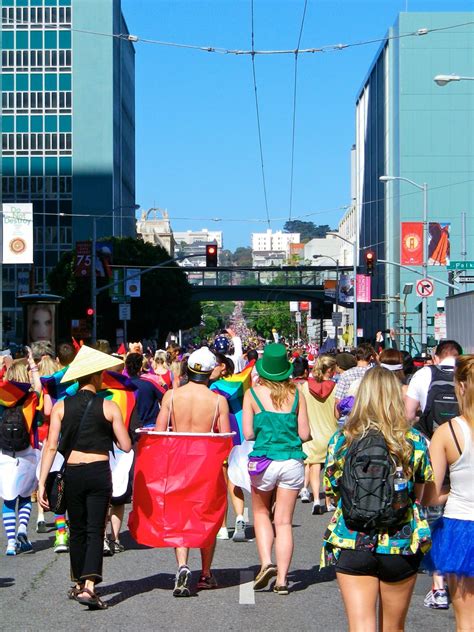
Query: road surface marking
pixel 246 591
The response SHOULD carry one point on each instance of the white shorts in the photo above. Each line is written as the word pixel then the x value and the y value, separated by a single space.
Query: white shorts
pixel 288 474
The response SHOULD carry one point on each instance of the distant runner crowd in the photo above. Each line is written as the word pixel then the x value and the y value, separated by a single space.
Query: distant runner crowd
pixel 379 440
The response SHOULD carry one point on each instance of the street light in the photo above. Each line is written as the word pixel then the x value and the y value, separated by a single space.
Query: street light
pixel 443 80
pixel 424 301
pixel 354 273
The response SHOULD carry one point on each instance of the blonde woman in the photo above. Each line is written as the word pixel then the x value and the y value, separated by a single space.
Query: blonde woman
pixel 275 417
pixel 378 564
pixel 453 534
pixel 318 392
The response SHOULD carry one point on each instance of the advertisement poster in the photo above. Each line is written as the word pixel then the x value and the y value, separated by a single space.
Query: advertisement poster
pixel 346 290
pixel 17 233
pixel 103 259
pixel 411 244
pixel 363 285
pixel 40 320
pixel 438 245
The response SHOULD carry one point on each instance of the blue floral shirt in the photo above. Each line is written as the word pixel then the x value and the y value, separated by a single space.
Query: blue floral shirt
pixel 412 536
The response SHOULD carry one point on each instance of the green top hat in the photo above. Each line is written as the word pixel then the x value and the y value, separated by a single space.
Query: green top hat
pixel 274 365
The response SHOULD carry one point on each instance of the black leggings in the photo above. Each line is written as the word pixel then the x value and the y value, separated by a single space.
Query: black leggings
pixel 88 490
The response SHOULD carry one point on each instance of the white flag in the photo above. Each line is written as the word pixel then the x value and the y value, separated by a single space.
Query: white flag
pixel 17 233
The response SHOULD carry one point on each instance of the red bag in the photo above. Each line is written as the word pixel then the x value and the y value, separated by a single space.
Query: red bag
pixel 179 490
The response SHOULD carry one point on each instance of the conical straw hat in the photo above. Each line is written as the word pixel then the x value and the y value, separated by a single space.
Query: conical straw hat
pixel 89 361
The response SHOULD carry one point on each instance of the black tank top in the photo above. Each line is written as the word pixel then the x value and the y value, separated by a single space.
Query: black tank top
pixel 96 434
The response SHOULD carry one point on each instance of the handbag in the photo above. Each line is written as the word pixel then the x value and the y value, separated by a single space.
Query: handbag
pixel 55 484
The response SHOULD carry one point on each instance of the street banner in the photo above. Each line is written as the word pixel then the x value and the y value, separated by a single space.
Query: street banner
pixel 364 289
pixel 117 278
pixel 133 286
pixel 17 233
pixel 330 288
pixel 293 306
pixel 411 244
pixel 103 259
pixel 439 246
pixel 346 290
pixel 179 490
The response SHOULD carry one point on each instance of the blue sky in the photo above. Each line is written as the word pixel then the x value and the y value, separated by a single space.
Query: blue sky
pixel 197 149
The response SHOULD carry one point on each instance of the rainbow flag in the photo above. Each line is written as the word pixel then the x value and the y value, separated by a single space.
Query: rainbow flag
pixel 11 394
pixel 121 390
pixel 52 386
pixel 233 389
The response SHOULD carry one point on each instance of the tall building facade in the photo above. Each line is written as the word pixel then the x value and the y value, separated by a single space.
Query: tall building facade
pixel 409 127
pixel 67 126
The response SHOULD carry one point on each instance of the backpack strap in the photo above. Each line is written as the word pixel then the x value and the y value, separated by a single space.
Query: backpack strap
pixel 450 422
pixel 257 401
pixel 296 401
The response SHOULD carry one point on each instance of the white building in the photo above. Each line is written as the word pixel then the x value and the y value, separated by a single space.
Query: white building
pixel 272 248
pixel 204 235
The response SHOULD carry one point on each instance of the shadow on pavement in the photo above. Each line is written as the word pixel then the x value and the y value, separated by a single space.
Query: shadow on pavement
pixel 131 588
pixel 302 579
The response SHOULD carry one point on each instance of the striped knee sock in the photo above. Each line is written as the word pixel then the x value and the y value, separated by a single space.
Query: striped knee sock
pixel 60 523
pixel 9 519
pixel 24 512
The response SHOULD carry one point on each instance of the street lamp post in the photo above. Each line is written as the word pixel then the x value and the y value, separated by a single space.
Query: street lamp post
pixel 424 300
pixel 354 273
pixel 443 80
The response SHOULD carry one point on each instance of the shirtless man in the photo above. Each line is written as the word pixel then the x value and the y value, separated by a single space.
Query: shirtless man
pixel 194 408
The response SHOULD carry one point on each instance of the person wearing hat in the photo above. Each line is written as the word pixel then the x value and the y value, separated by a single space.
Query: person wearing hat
pixel 83 428
pixel 194 408
pixel 275 417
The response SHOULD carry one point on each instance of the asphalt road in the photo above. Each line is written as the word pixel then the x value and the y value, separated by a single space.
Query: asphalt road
pixel 138 583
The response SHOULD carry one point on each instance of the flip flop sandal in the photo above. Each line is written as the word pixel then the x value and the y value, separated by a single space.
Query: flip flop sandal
pixel 74 591
pixel 94 603
pixel 264 576
pixel 281 590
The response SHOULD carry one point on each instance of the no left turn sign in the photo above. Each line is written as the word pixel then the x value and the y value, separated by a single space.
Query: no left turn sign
pixel 424 288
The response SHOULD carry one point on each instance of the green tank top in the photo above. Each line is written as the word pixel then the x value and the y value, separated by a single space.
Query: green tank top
pixel 276 434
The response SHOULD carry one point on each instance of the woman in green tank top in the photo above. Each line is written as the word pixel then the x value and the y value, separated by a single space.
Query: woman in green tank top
pixel 275 416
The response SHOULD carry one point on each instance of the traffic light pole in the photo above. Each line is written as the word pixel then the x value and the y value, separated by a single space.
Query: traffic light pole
pixel 424 299
pixel 94 279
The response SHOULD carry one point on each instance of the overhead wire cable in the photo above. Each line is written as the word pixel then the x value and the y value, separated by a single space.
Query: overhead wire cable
pixel 258 119
pixel 295 84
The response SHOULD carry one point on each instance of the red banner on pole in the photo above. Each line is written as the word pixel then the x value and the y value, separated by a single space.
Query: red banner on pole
pixel 363 288
pixel 412 243
pixel 179 490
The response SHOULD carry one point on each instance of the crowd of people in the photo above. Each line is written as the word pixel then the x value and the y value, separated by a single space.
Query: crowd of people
pixel 380 443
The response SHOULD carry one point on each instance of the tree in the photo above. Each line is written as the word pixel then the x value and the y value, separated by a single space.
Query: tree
pixel 242 256
pixel 307 230
pixel 263 317
pixel 165 304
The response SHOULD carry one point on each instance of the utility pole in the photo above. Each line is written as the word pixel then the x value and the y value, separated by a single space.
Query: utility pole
pixel 424 299
pixel 94 279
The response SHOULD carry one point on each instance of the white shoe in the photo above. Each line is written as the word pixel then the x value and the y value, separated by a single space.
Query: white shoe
pixel 223 534
pixel 305 495
pixel 239 532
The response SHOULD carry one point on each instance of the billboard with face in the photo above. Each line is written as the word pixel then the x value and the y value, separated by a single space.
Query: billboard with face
pixel 40 318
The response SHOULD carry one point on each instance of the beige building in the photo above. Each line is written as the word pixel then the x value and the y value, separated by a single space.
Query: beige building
pixel 154 227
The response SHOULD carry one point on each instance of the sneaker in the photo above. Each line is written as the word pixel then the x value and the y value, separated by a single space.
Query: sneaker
pixel 222 534
pixel 305 495
pixel 206 582
pixel 108 550
pixel 239 532
pixel 24 544
pixel 437 599
pixel 41 527
pixel 116 546
pixel 331 507
pixel 317 510
pixel 11 548
pixel 61 542
pixel 181 584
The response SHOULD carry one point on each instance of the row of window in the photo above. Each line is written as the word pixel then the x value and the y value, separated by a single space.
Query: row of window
pixel 49 236
pixel 37 100
pixel 50 59
pixel 22 16
pixel 37 185
pixel 36 143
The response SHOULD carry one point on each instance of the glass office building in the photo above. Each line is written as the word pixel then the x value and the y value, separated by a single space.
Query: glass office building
pixel 408 126
pixel 67 127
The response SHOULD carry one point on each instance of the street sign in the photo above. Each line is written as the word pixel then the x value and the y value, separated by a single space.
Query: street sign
pixel 440 331
pixel 124 311
pixel 424 288
pixel 298 317
pixel 337 319
pixel 461 265
pixel 120 298
pixel 466 279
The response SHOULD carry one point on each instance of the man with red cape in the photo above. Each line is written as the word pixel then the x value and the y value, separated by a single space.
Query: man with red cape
pixel 180 494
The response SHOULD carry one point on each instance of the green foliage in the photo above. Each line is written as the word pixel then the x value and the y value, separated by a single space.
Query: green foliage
pixel 165 304
pixel 263 317
pixel 242 256
pixel 307 230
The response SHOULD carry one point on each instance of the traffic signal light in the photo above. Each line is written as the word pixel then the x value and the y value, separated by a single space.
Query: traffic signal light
pixel 370 260
pixel 211 255
pixel 90 311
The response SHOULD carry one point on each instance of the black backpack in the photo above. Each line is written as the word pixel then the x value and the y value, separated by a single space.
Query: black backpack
pixel 14 435
pixel 441 402
pixel 367 486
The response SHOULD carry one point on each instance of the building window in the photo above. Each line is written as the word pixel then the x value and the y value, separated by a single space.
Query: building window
pixel 8 58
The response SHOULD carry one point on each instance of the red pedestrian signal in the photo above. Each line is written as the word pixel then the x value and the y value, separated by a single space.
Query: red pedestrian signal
pixel 211 256
pixel 90 311
pixel 370 261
